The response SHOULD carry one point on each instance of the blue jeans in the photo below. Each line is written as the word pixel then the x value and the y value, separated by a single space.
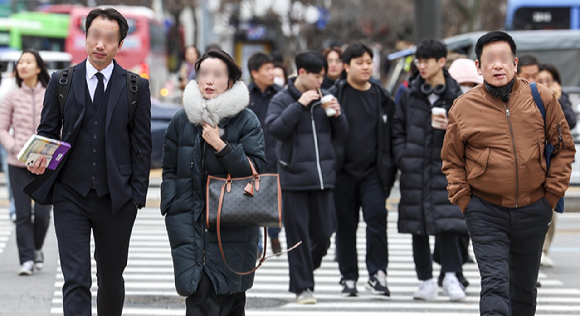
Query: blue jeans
pixel 4 155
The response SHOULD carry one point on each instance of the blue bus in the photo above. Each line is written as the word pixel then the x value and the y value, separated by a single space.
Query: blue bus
pixel 543 15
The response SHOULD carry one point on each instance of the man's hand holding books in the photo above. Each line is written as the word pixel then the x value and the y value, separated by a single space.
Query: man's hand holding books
pixel 39 165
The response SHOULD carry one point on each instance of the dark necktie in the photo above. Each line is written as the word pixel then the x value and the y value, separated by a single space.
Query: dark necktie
pixel 99 91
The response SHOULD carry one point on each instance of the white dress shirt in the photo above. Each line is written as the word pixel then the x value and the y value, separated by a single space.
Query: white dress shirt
pixel 92 80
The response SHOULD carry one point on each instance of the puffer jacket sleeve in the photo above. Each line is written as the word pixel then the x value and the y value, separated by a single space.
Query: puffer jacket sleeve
pixel 282 119
pixel 169 165
pixel 6 112
pixel 558 177
pixel 251 145
pixel 567 109
pixel 453 156
pixel 339 127
pixel 399 139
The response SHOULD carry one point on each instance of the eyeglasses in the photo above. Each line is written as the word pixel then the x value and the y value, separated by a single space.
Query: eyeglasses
pixel 422 61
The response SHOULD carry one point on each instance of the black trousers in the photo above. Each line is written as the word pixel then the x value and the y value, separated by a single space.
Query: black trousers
pixel 507 243
pixel 308 217
pixel 349 195
pixel 74 217
pixel 30 234
pixel 206 303
pixel 449 254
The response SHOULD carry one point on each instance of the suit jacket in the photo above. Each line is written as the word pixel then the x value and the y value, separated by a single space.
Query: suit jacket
pixel 127 172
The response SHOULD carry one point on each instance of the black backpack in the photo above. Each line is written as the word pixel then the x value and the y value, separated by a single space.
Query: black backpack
pixel 133 82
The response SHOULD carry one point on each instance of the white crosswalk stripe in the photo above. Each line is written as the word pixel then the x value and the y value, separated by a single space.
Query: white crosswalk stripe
pixel 150 288
pixel 6 228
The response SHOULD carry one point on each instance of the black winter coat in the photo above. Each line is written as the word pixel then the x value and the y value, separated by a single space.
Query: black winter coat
pixel 385 115
pixel 424 208
pixel 306 157
pixel 187 160
pixel 566 105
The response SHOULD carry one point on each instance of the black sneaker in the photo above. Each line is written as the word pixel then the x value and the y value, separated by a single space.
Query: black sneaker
pixel 378 284
pixel 349 287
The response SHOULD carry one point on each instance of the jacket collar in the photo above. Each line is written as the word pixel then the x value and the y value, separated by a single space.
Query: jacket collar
pixel 273 89
pixel 515 89
pixel 212 111
pixel 452 89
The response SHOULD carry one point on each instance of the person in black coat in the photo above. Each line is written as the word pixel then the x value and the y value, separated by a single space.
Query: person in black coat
pixel 104 177
pixel 306 164
pixel 366 171
pixel 424 209
pixel 213 135
pixel 262 90
pixel 550 77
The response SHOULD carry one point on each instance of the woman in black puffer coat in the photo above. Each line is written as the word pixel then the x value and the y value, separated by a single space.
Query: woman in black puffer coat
pixel 213 135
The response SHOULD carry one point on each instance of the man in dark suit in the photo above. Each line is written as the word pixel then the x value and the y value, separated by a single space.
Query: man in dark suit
pixel 104 177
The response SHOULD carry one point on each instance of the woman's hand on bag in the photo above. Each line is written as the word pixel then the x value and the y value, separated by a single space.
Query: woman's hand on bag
pixel 211 135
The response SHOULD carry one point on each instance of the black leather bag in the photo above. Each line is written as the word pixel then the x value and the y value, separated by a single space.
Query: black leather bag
pixel 250 201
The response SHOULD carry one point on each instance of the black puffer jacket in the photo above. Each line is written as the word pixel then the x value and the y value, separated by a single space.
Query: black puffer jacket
pixel 187 160
pixel 306 157
pixel 566 105
pixel 385 116
pixel 424 208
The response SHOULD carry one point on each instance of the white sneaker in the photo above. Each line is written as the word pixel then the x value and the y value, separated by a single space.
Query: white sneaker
pixel 27 268
pixel 452 287
pixel 546 261
pixel 428 291
pixel 306 297
pixel 38 260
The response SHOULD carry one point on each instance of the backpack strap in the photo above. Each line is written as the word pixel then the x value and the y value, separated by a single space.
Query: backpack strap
pixel 538 100
pixel 133 82
pixel 64 81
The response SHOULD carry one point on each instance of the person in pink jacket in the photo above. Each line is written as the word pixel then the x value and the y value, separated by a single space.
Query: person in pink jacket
pixel 20 111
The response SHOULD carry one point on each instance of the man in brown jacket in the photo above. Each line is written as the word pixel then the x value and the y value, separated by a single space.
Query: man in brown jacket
pixel 493 157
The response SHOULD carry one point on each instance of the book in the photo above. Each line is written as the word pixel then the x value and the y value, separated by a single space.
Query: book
pixel 37 145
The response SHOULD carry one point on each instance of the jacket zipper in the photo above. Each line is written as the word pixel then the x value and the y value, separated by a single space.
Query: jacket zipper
pixel 203 229
pixel 507 112
pixel 316 147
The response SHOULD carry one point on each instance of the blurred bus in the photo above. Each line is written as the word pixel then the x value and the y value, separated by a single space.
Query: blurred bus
pixel 36 30
pixel 543 15
pixel 144 49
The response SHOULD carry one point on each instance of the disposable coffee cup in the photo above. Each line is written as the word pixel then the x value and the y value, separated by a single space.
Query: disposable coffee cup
pixel 438 113
pixel 325 105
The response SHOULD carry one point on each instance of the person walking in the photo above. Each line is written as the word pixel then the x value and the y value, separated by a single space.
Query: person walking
pixel 214 135
pixel 20 111
pixel 306 164
pixel 103 180
pixel 333 57
pixel 187 69
pixel 493 157
pixel 550 77
pixel 262 90
pixel 7 84
pixel 424 209
pixel 366 171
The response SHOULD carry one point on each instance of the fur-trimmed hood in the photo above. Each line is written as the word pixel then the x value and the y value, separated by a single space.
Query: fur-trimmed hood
pixel 212 111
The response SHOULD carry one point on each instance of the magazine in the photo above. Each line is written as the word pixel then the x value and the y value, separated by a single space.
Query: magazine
pixel 37 146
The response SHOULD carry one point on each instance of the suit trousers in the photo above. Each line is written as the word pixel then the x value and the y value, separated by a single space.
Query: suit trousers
pixel 30 233
pixel 308 217
pixel 74 218
pixel 507 243
pixel 204 302
pixel 349 195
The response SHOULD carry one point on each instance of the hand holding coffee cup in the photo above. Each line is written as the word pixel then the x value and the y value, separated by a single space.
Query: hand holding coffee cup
pixel 439 118
pixel 327 104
